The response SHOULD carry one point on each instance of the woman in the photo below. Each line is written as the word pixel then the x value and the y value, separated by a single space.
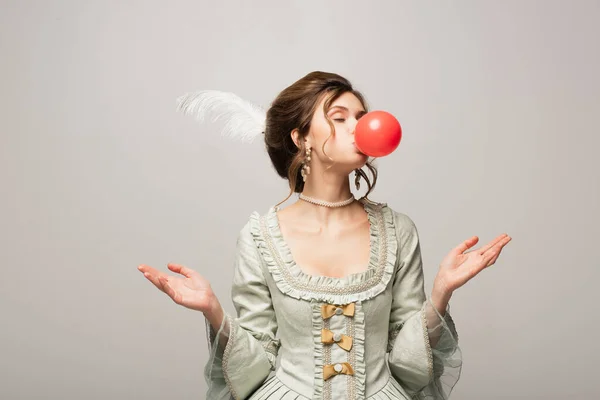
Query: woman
pixel 329 291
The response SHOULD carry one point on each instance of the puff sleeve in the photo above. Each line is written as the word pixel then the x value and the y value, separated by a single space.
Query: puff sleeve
pixel 424 355
pixel 244 349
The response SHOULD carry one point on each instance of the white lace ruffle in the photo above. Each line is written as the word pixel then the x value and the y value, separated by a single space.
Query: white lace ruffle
pixel 292 281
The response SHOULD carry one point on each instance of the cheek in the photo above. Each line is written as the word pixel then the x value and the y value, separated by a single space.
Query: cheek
pixel 322 131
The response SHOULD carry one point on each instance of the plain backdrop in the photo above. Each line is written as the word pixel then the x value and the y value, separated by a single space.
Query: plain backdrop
pixel 499 102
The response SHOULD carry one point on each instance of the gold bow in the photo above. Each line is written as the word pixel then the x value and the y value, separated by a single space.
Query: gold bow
pixel 327 337
pixel 328 310
pixel 329 371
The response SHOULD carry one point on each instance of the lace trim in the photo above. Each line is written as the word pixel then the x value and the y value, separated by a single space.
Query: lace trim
pixel 326 360
pixel 351 357
pixel 427 344
pixel 354 287
pixel 226 353
pixel 314 288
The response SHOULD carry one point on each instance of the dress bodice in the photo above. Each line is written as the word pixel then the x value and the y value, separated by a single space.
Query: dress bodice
pixel 299 300
pixel 361 336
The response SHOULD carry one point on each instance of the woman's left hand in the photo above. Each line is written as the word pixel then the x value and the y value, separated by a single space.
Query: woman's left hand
pixel 458 267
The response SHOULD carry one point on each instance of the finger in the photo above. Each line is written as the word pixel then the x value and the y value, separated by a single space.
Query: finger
pixel 154 279
pixel 164 282
pixel 493 260
pixel 497 247
pixel 467 244
pixel 152 274
pixel 181 269
pixel 492 254
pixel 485 261
pixel 492 243
pixel 146 268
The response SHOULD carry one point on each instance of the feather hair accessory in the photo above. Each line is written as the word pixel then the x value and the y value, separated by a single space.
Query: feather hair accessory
pixel 244 120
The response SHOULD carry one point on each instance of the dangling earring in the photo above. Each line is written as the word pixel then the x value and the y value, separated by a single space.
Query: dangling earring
pixel 357 177
pixel 305 167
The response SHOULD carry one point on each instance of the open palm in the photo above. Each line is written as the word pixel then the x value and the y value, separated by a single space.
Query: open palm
pixel 192 290
pixel 458 267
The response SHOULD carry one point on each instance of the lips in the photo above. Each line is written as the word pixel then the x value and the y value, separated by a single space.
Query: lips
pixel 357 149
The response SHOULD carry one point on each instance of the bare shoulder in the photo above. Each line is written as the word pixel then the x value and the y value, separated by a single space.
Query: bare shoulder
pixel 289 213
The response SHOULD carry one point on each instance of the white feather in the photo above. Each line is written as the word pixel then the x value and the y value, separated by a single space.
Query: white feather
pixel 244 120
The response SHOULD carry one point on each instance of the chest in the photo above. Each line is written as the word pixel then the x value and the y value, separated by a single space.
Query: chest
pixel 333 252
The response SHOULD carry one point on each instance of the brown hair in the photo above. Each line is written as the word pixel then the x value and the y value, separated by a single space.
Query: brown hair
pixel 293 109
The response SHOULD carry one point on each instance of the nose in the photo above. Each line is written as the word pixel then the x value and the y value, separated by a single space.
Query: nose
pixel 353 123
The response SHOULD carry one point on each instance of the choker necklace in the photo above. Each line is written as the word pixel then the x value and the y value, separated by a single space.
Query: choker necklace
pixel 327 203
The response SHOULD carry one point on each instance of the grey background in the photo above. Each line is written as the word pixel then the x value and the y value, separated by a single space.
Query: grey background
pixel 499 102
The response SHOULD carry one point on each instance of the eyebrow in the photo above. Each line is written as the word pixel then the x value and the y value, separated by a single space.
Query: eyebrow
pixel 346 108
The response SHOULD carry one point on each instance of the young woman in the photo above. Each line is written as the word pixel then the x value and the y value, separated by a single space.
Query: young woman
pixel 329 291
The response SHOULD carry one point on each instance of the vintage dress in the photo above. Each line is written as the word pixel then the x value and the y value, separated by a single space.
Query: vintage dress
pixel 363 336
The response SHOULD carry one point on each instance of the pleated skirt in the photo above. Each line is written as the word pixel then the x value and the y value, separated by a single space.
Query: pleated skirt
pixel 274 389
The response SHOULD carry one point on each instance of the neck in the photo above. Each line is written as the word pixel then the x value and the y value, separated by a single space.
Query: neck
pixel 331 187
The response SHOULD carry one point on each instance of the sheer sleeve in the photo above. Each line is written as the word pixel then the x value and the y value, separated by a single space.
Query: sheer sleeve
pixel 424 355
pixel 244 349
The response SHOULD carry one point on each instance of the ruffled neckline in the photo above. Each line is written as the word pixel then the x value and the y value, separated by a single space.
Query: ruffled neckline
pixel 292 281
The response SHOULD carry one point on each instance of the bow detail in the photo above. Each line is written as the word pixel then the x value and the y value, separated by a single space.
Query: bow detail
pixel 330 370
pixel 344 341
pixel 328 310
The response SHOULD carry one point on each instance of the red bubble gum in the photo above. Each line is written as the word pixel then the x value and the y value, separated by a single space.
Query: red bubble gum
pixel 377 134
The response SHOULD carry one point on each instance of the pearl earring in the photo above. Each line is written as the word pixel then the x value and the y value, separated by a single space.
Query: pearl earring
pixel 305 167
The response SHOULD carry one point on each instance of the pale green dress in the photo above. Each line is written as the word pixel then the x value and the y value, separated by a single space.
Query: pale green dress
pixel 276 347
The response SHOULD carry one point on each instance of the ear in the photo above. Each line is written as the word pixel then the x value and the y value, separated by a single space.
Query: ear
pixel 296 138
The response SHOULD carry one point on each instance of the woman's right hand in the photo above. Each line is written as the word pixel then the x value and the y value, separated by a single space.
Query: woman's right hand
pixel 192 290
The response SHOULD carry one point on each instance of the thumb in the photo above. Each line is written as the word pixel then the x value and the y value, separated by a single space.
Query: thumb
pixel 465 245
